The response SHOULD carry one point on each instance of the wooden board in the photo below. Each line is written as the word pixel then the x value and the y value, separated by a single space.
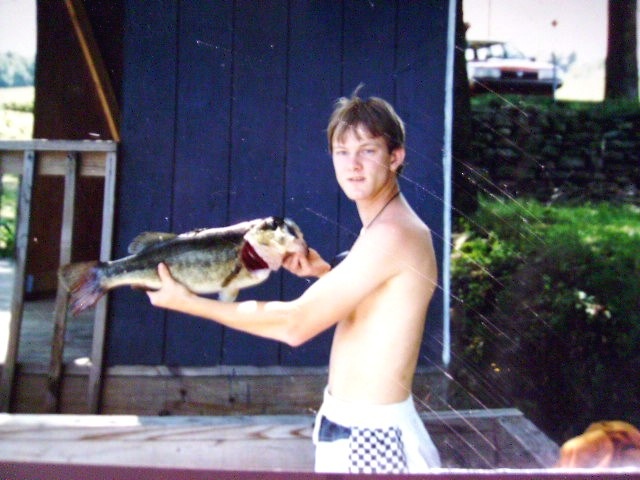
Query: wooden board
pixel 17 298
pixel 201 189
pixel 246 443
pixel 260 442
pixel 93 59
pixel 60 309
pixel 100 472
pixel 100 314
pixel 225 107
pixel 161 390
pixel 146 173
pixel 312 203
pixel 81 158
pixel 419 92
pixel 257 145
pixel 52 156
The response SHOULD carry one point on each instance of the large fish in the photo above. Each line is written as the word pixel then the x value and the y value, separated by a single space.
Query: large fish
pixel 222 260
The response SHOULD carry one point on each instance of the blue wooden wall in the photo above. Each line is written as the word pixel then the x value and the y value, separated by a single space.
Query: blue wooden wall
pixel 225 105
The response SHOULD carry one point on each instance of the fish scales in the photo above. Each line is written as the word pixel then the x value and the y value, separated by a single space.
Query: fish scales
pixel 200 263
pixel 222 260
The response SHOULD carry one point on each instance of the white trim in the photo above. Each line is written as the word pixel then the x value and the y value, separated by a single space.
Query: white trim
pixel 447 194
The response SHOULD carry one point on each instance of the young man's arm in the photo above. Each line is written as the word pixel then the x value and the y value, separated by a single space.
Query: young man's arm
pixel 330 299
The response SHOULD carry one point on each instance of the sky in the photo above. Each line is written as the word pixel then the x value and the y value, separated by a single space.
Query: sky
pixel 580 28
pixel 18 26
pixel 580 25
pixel 540 28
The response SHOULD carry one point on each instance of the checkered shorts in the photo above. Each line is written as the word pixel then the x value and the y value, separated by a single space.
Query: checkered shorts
pixel 351 437
pixel 376 450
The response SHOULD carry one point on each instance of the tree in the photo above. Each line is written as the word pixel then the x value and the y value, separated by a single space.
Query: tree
pixel 15 70
pixel 465 199
pixel 622 57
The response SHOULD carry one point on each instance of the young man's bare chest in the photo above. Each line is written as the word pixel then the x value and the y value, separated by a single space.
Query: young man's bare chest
pixel 375 349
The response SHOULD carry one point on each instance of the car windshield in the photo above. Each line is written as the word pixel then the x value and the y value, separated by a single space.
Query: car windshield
pixel 493 50
pixel 512 52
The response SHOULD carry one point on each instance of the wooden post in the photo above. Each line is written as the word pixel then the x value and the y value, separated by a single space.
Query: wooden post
pixel 100 323
pixel 62 297
pixel 17 302
pixel 99 75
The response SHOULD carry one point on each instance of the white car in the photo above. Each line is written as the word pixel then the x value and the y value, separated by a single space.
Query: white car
pixel 499 67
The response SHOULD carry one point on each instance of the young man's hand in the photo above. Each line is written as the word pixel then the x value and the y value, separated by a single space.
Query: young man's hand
pixel 311 265
pixel 171 293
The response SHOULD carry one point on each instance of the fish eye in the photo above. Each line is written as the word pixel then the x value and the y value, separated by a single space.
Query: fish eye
pixel 272 223
pixel 276 222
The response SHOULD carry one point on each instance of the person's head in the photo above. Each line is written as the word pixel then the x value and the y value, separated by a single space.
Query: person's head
pixel 374 116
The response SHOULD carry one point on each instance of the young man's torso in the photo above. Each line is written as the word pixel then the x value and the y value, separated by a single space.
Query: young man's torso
pixel 375 349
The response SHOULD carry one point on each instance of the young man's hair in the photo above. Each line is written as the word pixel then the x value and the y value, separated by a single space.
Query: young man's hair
pixel 374 115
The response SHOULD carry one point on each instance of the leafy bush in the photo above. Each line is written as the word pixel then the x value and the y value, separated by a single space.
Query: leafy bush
pixel 546 312
pixel 612 107
pixel 19 107
pixel 8 202
pixel 7 238
pixel 16 70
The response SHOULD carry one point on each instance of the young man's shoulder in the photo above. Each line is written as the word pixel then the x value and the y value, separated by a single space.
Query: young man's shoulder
pixel 402 236
pixel 403 227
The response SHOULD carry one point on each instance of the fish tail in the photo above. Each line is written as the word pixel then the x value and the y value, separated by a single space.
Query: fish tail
pixel 82 281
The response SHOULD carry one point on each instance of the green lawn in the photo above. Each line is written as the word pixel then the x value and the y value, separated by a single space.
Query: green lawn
pixel 15 122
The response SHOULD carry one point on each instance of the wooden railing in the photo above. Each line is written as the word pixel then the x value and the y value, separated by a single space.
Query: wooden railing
pixel 69 159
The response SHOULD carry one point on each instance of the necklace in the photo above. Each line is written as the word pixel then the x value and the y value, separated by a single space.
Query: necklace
pixel 380 211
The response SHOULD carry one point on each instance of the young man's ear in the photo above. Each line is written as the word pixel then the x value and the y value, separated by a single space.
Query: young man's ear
pixel 397 159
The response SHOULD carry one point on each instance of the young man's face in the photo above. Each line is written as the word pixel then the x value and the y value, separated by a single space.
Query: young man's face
pixel 363 164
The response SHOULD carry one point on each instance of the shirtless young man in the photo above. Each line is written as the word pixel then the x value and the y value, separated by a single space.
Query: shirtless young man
pixel 377 297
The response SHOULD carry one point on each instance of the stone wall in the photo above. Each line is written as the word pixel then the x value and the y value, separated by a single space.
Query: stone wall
pixel 556 153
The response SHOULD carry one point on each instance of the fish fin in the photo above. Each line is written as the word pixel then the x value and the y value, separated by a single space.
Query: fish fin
pixel 195 232
pixel 146 239
pixel 228 294
pixel 82 281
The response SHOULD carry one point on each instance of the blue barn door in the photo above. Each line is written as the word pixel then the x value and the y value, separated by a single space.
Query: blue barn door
pixel 225 106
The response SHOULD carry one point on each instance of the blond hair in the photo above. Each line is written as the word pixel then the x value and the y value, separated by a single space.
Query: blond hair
pixel 375 115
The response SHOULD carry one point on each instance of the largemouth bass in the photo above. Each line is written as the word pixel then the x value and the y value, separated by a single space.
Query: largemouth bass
pixel 222 260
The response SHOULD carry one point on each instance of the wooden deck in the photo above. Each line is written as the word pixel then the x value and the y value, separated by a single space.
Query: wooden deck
pixel 221 443
pixel 127 447
pixel 37 327
pixel 217 420
pixel 469 439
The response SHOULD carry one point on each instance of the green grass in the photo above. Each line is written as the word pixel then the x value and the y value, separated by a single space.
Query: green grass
pixel 16 123
pixel 9 197
pixel 17 95
pixel 546 300
pixel 604 109
pixel 8 208
pixel 531 220
pixel 16 113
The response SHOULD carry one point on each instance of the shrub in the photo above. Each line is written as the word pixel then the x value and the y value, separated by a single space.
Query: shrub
pixel 8 202
pixel 16 70
pixel 546 313
pixel 7 238
pixel 19 107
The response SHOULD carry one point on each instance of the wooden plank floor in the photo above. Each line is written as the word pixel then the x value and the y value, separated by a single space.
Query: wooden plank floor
pixel 220 443
pixel 465 439
pixel 37 326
